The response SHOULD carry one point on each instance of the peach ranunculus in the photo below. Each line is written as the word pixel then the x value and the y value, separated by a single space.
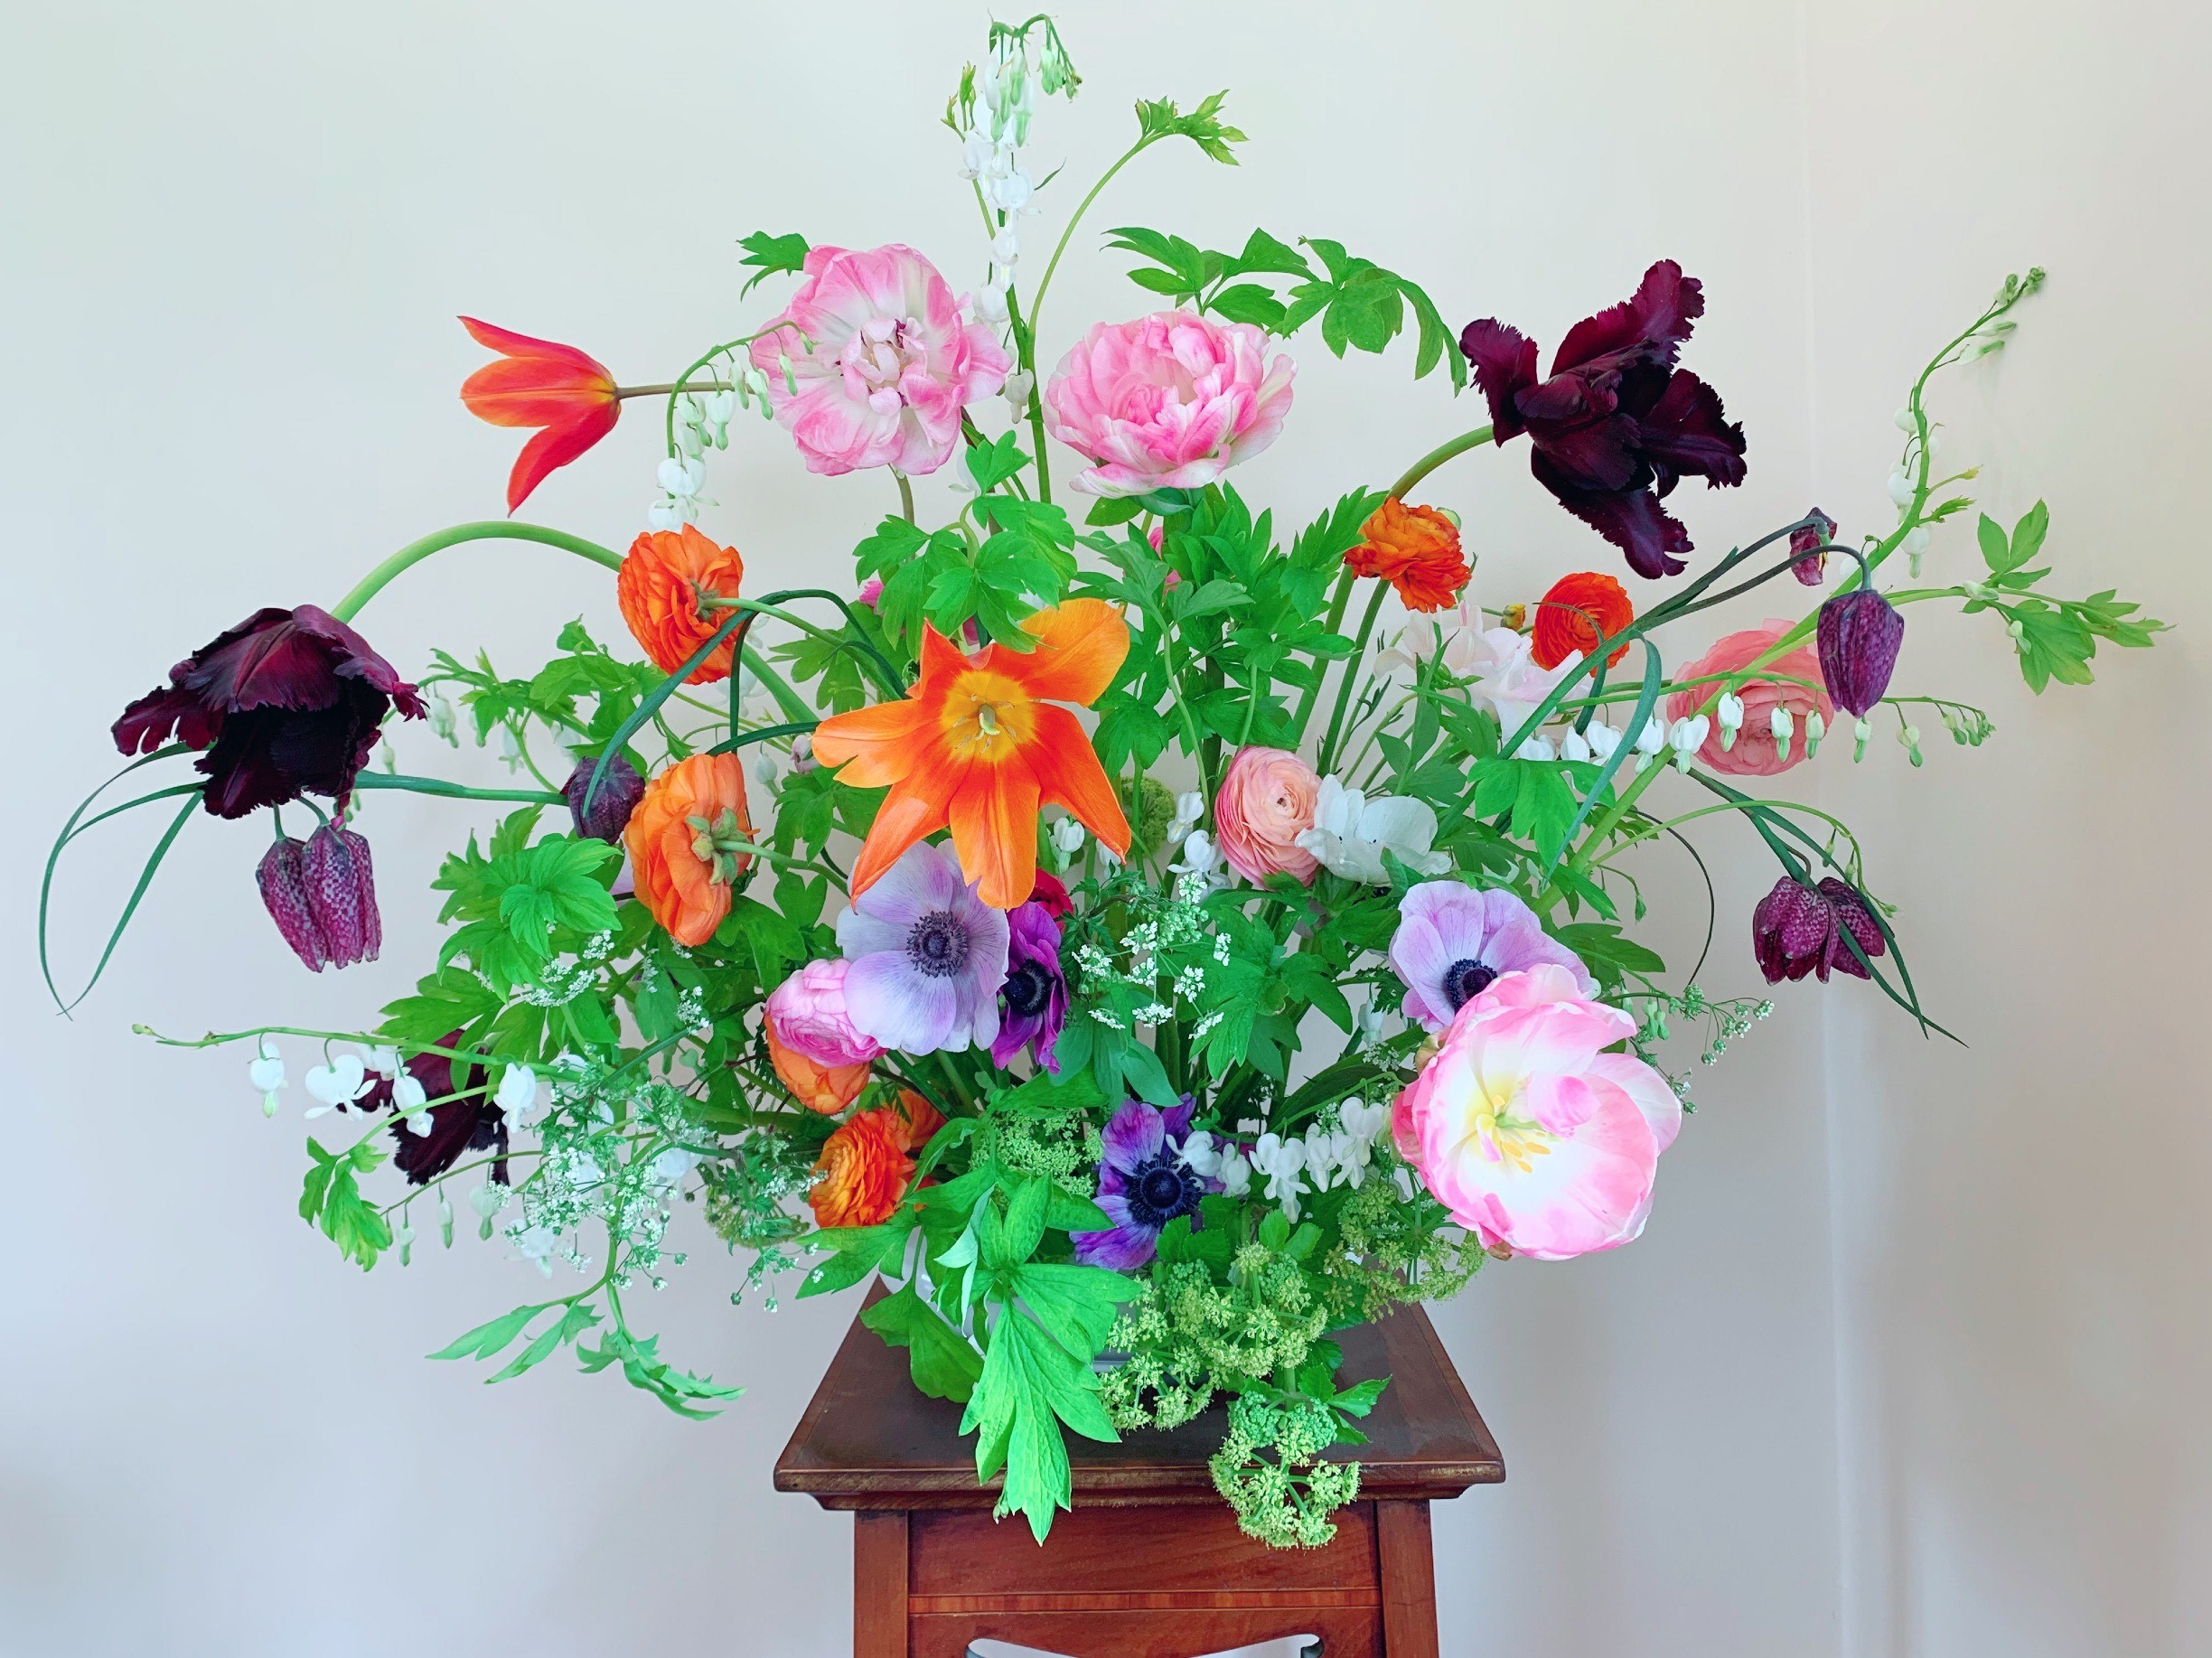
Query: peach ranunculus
pixel 1416 549
pixel 1756 752
pixel 1169 401
pixel 1266 801
pixel 683 840
pixel 1537 1139
pixel 827 1088
pixel 664 575
pixel 863 1170
pixel 806 1012
pixel 880 363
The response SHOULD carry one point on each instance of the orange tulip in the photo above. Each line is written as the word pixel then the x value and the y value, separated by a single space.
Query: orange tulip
pixel 1569 620
pixel 682 840
pixel 568 396
pixel 978 745
pixel 1416 549
pixel 863 1171
pixel 664 577
pixel 827 1088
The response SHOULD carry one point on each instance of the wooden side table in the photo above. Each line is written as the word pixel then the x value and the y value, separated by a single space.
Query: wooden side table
pixel 1150 1564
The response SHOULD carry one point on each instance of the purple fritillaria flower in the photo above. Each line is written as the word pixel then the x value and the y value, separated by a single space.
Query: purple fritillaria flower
pixel 1036 989
pixel 1453 941
pixel 322 895
pixel 928 957
pixel 288 701
pixel 1798 930
pixel 1143 1185
pixel 1617 424
pixel 620 791
pixel 1860 634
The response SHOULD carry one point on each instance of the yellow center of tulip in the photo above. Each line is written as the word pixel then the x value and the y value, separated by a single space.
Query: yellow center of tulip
pixel 1516 1141
pixel 987 716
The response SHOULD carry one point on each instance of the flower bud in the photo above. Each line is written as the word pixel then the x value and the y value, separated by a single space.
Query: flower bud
pixel 619 792
pixel 1859 633
pixel 1812 565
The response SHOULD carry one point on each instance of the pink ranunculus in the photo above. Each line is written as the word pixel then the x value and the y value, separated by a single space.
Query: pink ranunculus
pixel 1755 752
pixel 1266 801
pixel 1532 1136
pixel 882 360
pixel 807 1012
pixel 1169 401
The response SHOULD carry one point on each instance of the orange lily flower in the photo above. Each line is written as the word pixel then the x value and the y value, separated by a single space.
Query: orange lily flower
pixel 537 383
pixel 977 745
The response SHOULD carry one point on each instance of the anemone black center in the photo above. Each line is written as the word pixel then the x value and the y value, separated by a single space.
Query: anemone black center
pixel 938 944
pixel 1162 1189
pixel 1465 979
pixel 1028 988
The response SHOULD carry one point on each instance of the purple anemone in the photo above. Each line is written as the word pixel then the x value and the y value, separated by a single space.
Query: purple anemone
pixel 1036 989
pixel 1617 424
pixel 1143 1185
pixel 1453 941
pixel 287 702
pixel 928 957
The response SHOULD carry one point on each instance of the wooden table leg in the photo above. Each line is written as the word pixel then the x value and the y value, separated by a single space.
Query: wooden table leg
pixel 1409 1580
pixel 879 1584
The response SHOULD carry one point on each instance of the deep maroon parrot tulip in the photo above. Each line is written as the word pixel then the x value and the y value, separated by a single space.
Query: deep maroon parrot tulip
pixel 287 702
pixel 1617 424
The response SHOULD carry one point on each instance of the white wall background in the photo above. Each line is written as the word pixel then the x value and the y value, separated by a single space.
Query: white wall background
pixel 1906 1363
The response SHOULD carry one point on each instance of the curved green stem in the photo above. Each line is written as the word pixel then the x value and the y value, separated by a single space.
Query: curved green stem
pixel 486 530
pixel 1437 456
pixel 1351 674
pixel 461 791
pixel 1037 301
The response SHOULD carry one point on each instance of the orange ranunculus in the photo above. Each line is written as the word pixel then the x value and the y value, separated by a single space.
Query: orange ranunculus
pixel 683 841
pixel 1565 616
pixel 1416 549
pixel 919 1119
pixel 827 1088
pixel 664 575
pixel 978 745
pixel 863 1171
pixel 570 398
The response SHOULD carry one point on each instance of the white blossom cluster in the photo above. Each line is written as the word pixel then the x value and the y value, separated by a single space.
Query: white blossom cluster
pixel 1322 1158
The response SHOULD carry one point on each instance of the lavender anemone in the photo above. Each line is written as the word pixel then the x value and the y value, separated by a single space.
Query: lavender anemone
pixel 1143 1183
pixel 928 957
pixel 1034 994
pixel 1453 941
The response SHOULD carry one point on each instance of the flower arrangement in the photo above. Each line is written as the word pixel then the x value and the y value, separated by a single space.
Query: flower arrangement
pixel 1080 922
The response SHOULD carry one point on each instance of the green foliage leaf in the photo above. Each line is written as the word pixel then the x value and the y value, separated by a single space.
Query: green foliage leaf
pixel 945 1365
pixel 331 1199
pixel 768 255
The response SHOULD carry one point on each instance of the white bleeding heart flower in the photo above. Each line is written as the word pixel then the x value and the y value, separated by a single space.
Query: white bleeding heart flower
pixel 517 1094
pixel 1350 832
pixel 266 1074
pixel 339 1083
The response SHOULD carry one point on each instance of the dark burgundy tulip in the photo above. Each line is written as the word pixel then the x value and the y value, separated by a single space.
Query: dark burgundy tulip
pixel 287 702
pixel 322 895
pixel 457 1127
pixel 1798 930
pixel 619 792
pixel 1812 565
pixel 1617 424
pixel 1859 635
